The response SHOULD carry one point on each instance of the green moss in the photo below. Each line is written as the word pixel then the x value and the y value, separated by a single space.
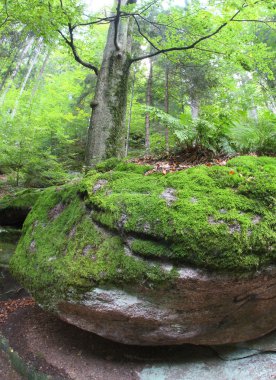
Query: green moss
pixel 79 235
pixel 65 250
pixel 107 165
pixel 150 248
pixel 20 199
pixel 121 166
pixel 222 217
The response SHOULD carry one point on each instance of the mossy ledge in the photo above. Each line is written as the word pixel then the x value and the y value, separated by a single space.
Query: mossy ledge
pixel 98 231
pixel 15 207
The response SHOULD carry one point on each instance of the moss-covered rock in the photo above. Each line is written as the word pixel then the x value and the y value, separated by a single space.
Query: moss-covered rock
pixel 120 245
pixel 93 232
pixel 15 207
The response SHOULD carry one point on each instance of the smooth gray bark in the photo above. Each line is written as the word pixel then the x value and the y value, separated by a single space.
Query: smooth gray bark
pixel 149 103
pixel 194 104
pixel 167 106
pixel 106 134
pixel 130 114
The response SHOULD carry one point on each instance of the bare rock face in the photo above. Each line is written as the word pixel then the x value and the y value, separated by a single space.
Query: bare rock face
pixel 199 309
pixel 155 260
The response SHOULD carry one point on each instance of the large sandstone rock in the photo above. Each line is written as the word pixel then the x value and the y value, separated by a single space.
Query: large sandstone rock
pixel 154 260
pixel 199 308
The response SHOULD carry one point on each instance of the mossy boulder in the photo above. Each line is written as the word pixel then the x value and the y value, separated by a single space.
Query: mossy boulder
pixel 15 207
pixel 164 251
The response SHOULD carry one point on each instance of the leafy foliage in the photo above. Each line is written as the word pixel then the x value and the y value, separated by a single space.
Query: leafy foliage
pixel 214 88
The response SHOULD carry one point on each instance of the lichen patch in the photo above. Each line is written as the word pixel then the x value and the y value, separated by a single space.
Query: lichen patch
pixel 56 211
pixel 99 185
pixel 169 196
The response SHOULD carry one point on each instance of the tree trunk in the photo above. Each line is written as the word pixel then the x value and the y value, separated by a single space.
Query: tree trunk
pixel 27 76
pixel 40 74
pixel 106 134
pixel 253 113
pixel 167 106
pixel 130 114
pixel 149 103
pixel 16 69
pixel 194 107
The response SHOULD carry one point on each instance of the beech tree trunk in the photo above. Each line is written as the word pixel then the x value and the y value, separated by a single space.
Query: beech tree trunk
pixel 27 76
pixel 167 106
pixel 23 54
pixel 106 134
pixel 149 103
pixel 130 115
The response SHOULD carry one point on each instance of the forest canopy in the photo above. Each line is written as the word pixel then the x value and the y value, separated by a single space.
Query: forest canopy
pixel 160 77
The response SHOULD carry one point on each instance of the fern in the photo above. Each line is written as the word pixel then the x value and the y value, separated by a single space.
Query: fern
pixel 257 137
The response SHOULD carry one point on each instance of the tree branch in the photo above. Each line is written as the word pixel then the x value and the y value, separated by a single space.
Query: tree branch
pixel 264 21
pixel 70 43
pixel 116 25
pixel 143 35
pixel 188 47
pixel 7 14
pixel 146 7
pixel 210 51
pixel 104 20
pixel 4 22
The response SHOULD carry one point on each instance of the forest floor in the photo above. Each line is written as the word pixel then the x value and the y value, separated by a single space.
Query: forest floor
pixel 182 161
pixel 55 348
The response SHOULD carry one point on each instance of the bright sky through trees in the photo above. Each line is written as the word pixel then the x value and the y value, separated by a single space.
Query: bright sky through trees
pixel 96 5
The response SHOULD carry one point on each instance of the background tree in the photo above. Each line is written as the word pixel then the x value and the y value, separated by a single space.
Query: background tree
pixel 184 37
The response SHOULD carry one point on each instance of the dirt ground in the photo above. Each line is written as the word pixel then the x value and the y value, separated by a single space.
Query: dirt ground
pixel 68 353
pixel 62 350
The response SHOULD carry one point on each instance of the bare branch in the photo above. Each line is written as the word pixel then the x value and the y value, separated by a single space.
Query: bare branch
pixel 5 21
pixel 264 21
pixel 146 7
pixel 210 51
pixel 64 37
pixel 188 47
pixel 71 44
pixel 143 35
pixel 103 20
pixel 7 14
